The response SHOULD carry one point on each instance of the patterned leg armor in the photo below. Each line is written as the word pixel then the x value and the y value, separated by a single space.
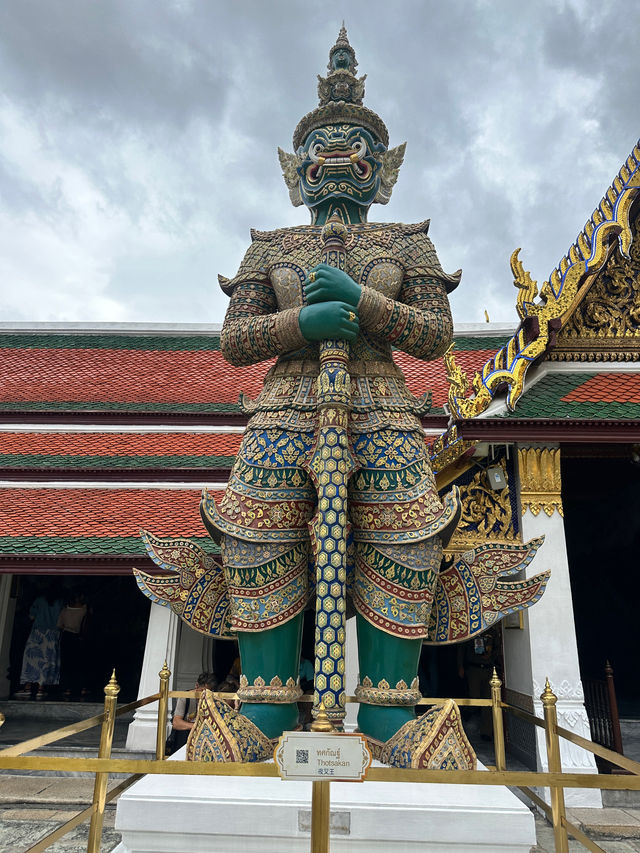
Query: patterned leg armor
pixel 262 526
pixel 399 525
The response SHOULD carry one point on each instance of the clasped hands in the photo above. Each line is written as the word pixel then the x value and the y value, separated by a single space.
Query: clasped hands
pixel 332 305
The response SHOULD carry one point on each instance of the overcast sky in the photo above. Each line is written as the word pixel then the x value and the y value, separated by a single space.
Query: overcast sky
pixel 138 139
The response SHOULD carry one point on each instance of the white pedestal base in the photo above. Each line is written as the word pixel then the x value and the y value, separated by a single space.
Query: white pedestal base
pixel 225 814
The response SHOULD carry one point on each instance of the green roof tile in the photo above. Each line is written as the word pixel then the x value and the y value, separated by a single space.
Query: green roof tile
pixel 493 343
pixel 71 546
pixel 105 341
pixel 24 460
pixel 74 406
pixel 544 400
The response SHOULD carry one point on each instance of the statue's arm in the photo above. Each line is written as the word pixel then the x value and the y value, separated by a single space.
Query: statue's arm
pixel 418 322
pixel 254 329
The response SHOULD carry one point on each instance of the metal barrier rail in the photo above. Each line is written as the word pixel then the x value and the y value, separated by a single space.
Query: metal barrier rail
pixel 13 758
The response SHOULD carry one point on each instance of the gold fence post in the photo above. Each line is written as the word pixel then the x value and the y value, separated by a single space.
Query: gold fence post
pixel 498 722
pixel 104 751
pixel 163 704
pixel 320 816
pixel 321 794
pixel 554 761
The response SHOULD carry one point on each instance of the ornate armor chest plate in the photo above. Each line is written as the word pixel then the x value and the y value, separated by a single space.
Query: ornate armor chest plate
pixel 369 262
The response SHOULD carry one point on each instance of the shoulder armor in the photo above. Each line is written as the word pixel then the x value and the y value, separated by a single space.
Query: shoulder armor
pixel 398 228
pixel 416 228
pixel 273 236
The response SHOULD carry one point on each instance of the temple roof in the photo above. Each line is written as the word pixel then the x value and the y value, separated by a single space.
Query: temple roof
pixel 106 451
pixel 76 527
pixel 126 373
pixel 106 430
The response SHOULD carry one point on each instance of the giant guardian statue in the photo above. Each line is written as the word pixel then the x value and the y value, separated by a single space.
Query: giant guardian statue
pixel 331 503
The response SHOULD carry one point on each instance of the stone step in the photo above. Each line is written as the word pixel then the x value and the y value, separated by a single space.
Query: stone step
pixel 56 751
pixel 621 799
pixel 65 712
pixel 615 823
pixel 46 791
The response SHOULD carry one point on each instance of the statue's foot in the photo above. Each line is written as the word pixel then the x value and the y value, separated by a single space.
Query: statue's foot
pixel 221 734
pixel 434 741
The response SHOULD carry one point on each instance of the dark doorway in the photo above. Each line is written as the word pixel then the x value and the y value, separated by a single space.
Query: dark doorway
pixel 601 498
pixel 116 629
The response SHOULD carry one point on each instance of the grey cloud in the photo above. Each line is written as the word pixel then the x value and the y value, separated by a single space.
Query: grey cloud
pixel 154 127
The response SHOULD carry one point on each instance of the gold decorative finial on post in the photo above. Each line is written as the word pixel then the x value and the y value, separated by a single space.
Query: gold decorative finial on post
pixel 163 706
pixel 558 811
pixel 548 697
pixel 322 723
pixel 111 690
pixel 498 723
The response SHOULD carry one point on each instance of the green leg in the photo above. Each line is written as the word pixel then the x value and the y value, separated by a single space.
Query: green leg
pixel 267 654
pixel 381 655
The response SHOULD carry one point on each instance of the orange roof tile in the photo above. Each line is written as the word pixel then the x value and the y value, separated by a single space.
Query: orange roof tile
pixel 432 376
pixel 120 375
pixel 117 512
pixel 120 444
pixel 190 377
pixel 607 388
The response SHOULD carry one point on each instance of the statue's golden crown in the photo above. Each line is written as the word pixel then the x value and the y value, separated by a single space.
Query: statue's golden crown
pixel 340 96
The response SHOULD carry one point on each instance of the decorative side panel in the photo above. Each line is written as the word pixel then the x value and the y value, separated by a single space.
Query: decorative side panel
pixel 540 481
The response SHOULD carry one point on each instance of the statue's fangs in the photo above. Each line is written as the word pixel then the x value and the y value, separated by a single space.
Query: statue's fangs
pixel 331 499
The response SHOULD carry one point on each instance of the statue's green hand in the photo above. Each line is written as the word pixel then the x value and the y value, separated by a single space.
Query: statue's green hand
pixel 329 284
pixel 328 320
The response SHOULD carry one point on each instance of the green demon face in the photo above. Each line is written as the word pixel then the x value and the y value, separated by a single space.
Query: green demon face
pixel 341 58
pixel 340 161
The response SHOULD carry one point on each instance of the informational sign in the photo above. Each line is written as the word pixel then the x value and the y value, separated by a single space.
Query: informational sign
pixel 320 756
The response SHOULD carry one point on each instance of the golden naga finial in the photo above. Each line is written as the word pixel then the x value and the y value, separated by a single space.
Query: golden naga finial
pixel 458 384
pixel 609 223
pixel 528 288
pixel 459 387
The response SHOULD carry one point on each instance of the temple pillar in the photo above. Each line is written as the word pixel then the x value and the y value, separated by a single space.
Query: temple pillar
pixel 193 656
pixel 7 612
pixel 546 646
pixel 161 645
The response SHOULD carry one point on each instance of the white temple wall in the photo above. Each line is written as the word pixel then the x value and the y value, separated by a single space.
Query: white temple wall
pixel 547 646
pixel 193 656
pixel 161 646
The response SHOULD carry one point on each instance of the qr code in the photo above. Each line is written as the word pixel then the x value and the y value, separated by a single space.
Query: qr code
pixel 302 756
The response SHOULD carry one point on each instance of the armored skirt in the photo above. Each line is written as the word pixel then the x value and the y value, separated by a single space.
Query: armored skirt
pixel 396 516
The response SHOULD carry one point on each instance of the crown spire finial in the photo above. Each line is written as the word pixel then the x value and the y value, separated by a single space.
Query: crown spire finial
pixel 342 57
pixel 340 96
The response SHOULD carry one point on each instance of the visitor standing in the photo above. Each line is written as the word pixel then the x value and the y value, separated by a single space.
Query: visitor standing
pixel 41 659
pixel 72 623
